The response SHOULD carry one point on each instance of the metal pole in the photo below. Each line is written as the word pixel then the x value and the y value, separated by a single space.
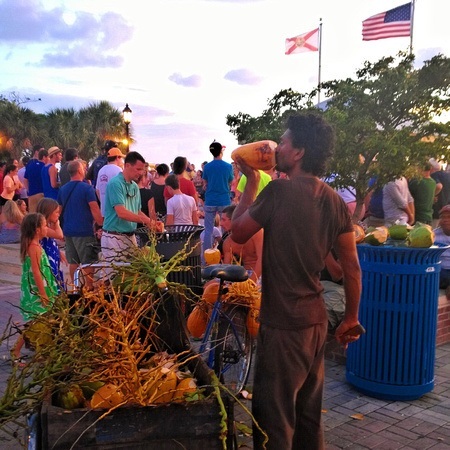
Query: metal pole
pixel 320 62
pixel 412 27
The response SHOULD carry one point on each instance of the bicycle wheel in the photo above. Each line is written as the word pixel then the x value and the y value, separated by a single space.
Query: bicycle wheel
pixel 234 349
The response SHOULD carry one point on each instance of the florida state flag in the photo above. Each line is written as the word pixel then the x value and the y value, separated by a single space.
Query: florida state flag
pixel 306 42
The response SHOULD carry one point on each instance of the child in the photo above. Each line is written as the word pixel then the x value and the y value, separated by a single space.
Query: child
pixel 38 284
pixel 50 209
pixel 10 220
pixel 181 208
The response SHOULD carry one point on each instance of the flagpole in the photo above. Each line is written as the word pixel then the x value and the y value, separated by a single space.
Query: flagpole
pixel 412 27
pixel 320 61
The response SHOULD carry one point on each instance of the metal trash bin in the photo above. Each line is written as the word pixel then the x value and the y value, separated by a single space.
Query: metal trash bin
pixel 395 359
pixel 172 241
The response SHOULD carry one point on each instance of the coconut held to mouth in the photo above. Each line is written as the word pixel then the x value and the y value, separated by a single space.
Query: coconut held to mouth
pixel 258 155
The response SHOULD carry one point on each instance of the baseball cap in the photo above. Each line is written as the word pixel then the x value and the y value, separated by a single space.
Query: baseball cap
pixel 54 150
pixel 445 209
pixel 217 146
pixel 109 145
pixel 115 152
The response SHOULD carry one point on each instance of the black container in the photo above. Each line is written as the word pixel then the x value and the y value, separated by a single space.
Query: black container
pixel 172 241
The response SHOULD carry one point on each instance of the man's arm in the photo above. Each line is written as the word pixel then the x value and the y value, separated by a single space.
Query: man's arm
pixel 333 267
pixel 195 217
pixel 130 216
pixel 96 213
pixel 53 174
pixel 258 239
pixel 243 227
pixel 345 248
pixel 411 211
pixel 169 219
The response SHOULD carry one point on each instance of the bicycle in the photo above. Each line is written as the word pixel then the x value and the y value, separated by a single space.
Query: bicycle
pixel 227 345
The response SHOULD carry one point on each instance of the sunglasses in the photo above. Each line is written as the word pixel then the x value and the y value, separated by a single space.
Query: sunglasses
pixel 133 194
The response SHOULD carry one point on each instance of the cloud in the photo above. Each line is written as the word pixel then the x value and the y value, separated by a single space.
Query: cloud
pixel 191 81
pixel 426 54
pixel 234 1
pixel 87 41
pixel 243 76
pixel 79 57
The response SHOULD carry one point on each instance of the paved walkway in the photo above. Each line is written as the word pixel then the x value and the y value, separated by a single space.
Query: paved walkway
pixel 376 424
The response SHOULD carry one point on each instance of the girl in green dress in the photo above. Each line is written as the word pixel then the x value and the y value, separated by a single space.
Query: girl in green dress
pixel 38 285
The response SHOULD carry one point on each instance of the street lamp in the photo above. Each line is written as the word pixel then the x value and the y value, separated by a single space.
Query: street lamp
pixel 127 119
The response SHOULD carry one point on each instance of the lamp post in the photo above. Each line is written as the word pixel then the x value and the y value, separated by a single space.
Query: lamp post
pixel 127 119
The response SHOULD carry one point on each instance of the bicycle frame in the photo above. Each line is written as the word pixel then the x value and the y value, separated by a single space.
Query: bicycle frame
pixel 211 333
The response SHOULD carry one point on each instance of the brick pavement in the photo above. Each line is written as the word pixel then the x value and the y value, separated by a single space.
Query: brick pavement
pixel 382 425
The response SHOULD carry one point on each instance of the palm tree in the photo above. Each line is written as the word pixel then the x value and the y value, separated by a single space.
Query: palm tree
pixel 99 122
pixel 62 126
pixel 19 126
pixel 86 129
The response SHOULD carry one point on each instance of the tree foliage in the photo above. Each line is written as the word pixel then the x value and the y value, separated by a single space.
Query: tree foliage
pixel 384 120
pixel 270 124
pixel 86 129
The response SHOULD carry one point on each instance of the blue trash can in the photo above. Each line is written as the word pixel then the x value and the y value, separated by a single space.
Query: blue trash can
pixel 395 359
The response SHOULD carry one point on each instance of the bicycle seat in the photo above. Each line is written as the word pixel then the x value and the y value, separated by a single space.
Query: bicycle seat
pixel 226 272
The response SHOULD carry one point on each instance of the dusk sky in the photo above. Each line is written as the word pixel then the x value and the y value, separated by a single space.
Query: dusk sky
pixel 183 65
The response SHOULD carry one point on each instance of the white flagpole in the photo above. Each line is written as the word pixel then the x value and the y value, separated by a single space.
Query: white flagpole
pixel 320 62
pixel 412 27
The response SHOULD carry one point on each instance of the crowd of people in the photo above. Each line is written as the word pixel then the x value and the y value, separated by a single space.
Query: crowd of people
pixel 285 226
pixel 420 199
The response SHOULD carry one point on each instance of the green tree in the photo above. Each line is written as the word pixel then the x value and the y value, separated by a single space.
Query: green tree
pixel 18 126
pixel 62 127
pixel 269 125
pixel 97 123
pixel 85 129
pixel 383 120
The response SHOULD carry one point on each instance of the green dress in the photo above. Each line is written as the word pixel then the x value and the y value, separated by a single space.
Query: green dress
pixel 30 300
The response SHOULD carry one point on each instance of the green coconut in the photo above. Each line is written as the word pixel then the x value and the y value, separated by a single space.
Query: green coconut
pixel 421 236
pixel 377 237
pixel 70 397
pixel 399 232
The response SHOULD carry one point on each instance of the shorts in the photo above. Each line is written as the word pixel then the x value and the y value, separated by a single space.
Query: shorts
pixel 3 200
pixel 82 250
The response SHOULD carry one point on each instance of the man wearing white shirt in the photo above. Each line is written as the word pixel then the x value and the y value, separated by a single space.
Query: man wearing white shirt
pixel 398 203
pixel 181 208
pixel 110 170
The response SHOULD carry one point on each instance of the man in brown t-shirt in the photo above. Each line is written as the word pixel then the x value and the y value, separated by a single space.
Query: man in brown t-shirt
pixel 303 219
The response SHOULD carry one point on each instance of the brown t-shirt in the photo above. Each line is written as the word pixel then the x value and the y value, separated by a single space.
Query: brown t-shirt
pixel 302 219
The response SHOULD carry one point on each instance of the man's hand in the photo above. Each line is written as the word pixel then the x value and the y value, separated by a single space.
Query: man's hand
pixel 248 171
pixel 155 225
pixel 348 332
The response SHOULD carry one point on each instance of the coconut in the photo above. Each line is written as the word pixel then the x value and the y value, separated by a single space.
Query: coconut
pixel 421 236
pixel 164 386
pixel 106 397
pixel 184 386
pixel 377 237
pixel 70 397
pixel 359 233
pixel 399 232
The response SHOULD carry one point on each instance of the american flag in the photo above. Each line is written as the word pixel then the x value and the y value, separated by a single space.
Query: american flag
pixel 393 23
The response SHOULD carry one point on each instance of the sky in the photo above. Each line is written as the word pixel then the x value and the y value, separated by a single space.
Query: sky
pixel 184 65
